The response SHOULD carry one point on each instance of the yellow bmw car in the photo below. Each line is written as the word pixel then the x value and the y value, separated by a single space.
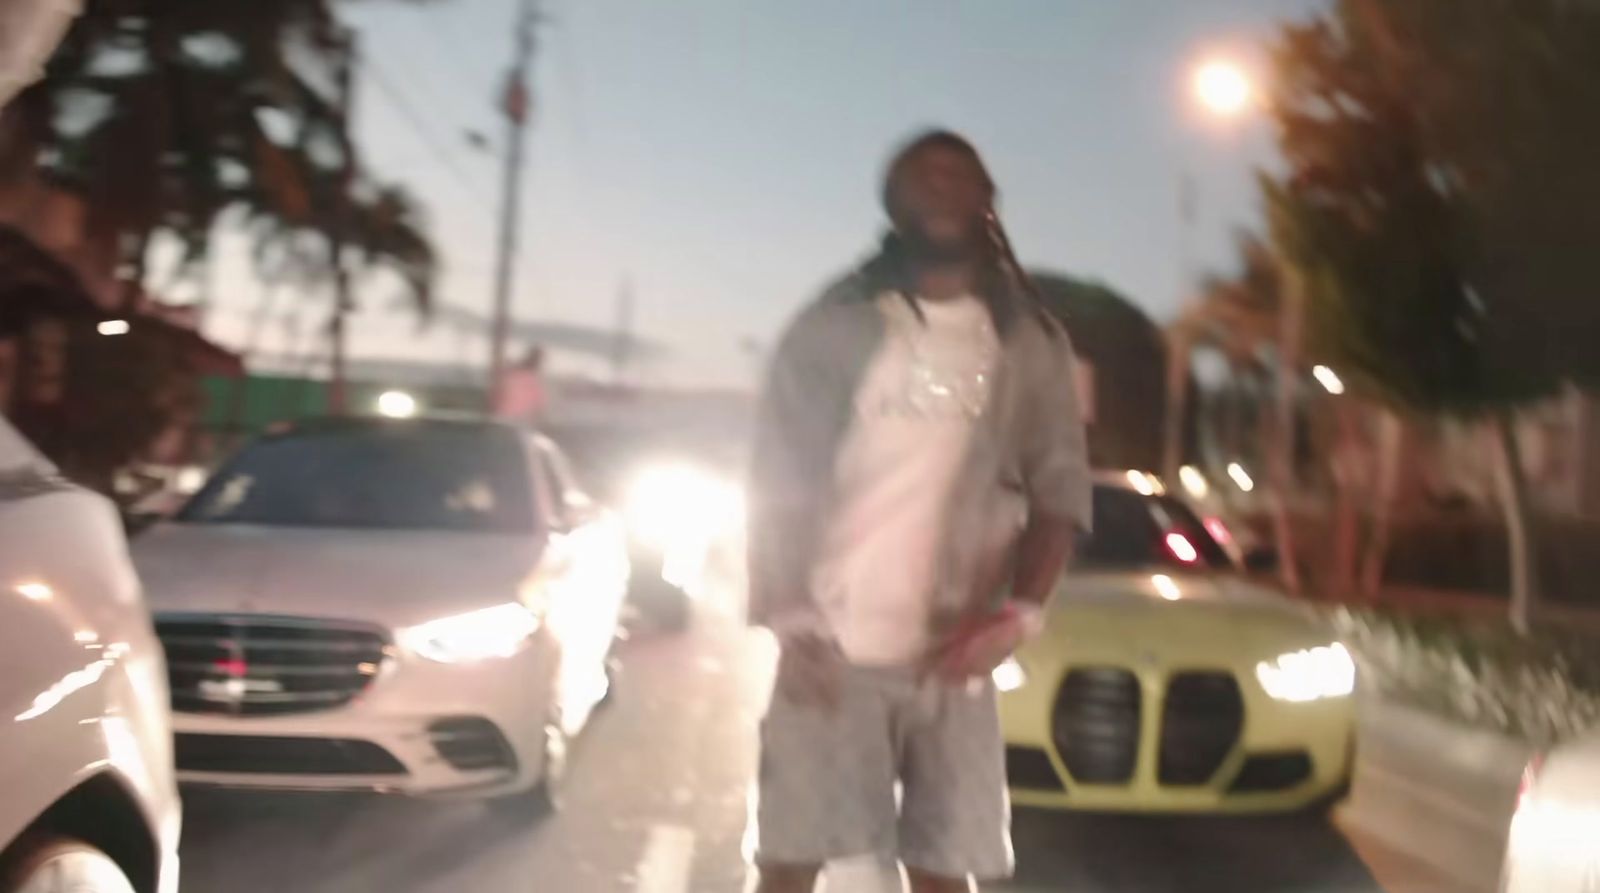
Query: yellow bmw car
pixel 1164 683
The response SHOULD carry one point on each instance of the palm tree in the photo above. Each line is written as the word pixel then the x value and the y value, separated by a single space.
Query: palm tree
pixel 163 115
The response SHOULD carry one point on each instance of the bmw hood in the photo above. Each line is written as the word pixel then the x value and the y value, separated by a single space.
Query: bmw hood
pixel 391 578
pixel 1198 618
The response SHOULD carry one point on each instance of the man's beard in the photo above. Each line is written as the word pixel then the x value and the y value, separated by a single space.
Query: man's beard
pixel 920 247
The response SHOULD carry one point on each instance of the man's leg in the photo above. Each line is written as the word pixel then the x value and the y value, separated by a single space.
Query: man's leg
pixel 826 783
pixel 787 878
pixel 955 817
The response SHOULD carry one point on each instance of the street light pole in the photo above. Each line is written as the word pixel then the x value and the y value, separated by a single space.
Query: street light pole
pixel 514 104
pixel 1225 89
pixel 1178 335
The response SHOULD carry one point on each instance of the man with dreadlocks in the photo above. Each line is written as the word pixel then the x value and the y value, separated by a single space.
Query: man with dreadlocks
pixel 918 479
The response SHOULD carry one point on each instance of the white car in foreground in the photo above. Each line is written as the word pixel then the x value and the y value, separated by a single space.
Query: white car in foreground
pixel 87 800
pixel 416 606
pixel 1555 836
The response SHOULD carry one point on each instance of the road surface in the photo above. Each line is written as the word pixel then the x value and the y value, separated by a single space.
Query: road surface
pixel 657 804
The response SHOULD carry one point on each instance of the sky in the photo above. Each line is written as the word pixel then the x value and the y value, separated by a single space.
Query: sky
pixel 722 158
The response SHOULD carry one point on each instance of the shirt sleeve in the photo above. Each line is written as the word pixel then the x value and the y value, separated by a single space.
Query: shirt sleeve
pixel 1056 469
pixel 786 483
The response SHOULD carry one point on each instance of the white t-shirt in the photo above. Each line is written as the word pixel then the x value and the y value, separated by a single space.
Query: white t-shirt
pixel 915 410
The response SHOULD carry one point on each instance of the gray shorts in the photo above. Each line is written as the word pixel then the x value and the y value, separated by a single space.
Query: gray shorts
pixel 901 768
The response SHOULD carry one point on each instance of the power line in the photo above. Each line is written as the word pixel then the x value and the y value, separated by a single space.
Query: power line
pixel 457 49
pixel 418 124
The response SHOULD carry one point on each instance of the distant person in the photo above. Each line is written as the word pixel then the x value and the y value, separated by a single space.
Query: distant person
pixel 522 390
pixel 918 480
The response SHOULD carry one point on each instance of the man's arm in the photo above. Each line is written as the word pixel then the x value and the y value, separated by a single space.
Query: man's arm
pixel 1056 478
pixel 787 479
pixel 1043 551
pixel 1059 489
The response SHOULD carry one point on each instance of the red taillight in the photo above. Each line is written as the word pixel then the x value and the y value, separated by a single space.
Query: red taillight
pixel 1182 549
pixel 232 667
pixel 1219 531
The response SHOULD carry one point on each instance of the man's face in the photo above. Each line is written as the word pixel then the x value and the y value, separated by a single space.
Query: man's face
pixel 939 201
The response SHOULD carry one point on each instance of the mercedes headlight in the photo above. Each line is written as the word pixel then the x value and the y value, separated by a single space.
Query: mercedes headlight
pixel 1312 674
pixel 477 635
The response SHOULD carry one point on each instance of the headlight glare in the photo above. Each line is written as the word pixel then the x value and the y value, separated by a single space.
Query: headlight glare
pixel 1010 676
pixel 477 635
pixel 1311 674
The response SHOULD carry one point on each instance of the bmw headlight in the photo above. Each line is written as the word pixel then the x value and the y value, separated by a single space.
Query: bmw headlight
pixel 1311 674
pixel 477 635
pixel 1010 676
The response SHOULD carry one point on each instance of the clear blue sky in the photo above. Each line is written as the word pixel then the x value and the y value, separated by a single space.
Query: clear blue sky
pixel 725 154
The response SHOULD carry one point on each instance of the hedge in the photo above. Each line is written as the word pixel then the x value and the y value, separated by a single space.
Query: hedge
pixel 1542 688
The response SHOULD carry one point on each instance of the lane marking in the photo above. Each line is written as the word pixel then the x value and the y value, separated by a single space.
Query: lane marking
pixel 668 858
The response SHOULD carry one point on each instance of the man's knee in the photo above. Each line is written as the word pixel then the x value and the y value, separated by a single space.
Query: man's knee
pixel 922 882
pixel 787 878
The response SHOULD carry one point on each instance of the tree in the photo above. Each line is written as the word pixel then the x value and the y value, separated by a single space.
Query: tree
pixel 1125 358
pixel 1248 320
pixel 1505 93
pixel 165 115
pixel 1415 133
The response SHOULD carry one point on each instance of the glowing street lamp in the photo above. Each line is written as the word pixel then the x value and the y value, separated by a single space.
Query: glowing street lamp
pixel 1329 379
pixel 397 405
pixel 1241 478
pixel 1223 88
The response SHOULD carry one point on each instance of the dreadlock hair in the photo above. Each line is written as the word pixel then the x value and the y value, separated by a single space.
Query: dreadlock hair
pixel 1001 271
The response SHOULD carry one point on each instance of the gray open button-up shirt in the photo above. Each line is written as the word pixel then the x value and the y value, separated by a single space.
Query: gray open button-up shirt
pixel 1027 449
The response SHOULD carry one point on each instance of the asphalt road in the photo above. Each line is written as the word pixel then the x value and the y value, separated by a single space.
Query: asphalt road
pixel 657 804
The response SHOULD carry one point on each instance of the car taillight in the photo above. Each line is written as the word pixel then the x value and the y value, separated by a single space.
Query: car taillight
pixel 1181 548
pixel 1219 531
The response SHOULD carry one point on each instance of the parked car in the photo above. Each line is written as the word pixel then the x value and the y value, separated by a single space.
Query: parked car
pixel 1554 845
pixel 420 606
pixel 87 800
pixel 1165 682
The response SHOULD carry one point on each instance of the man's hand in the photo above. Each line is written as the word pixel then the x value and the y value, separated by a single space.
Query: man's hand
pixel 984 644
pixel 810 670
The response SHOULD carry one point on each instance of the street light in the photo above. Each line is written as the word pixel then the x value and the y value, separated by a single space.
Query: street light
pixel 1241 478
pixel 1224 91
pixel 1329 379
pixel 396 405
pixel 1223 88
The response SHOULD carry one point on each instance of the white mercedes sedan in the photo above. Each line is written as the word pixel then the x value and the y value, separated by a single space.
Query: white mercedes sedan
pixel 418 606
pixel 87 800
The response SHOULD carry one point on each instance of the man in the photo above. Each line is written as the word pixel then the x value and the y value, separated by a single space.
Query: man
pixel 522 395
pixel 918 479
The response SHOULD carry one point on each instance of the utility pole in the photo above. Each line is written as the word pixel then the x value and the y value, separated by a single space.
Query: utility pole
pixel 514 104
pixel 622 336
pixel 337 328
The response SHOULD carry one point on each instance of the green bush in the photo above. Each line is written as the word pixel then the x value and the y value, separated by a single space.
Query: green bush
pixel 1543 687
